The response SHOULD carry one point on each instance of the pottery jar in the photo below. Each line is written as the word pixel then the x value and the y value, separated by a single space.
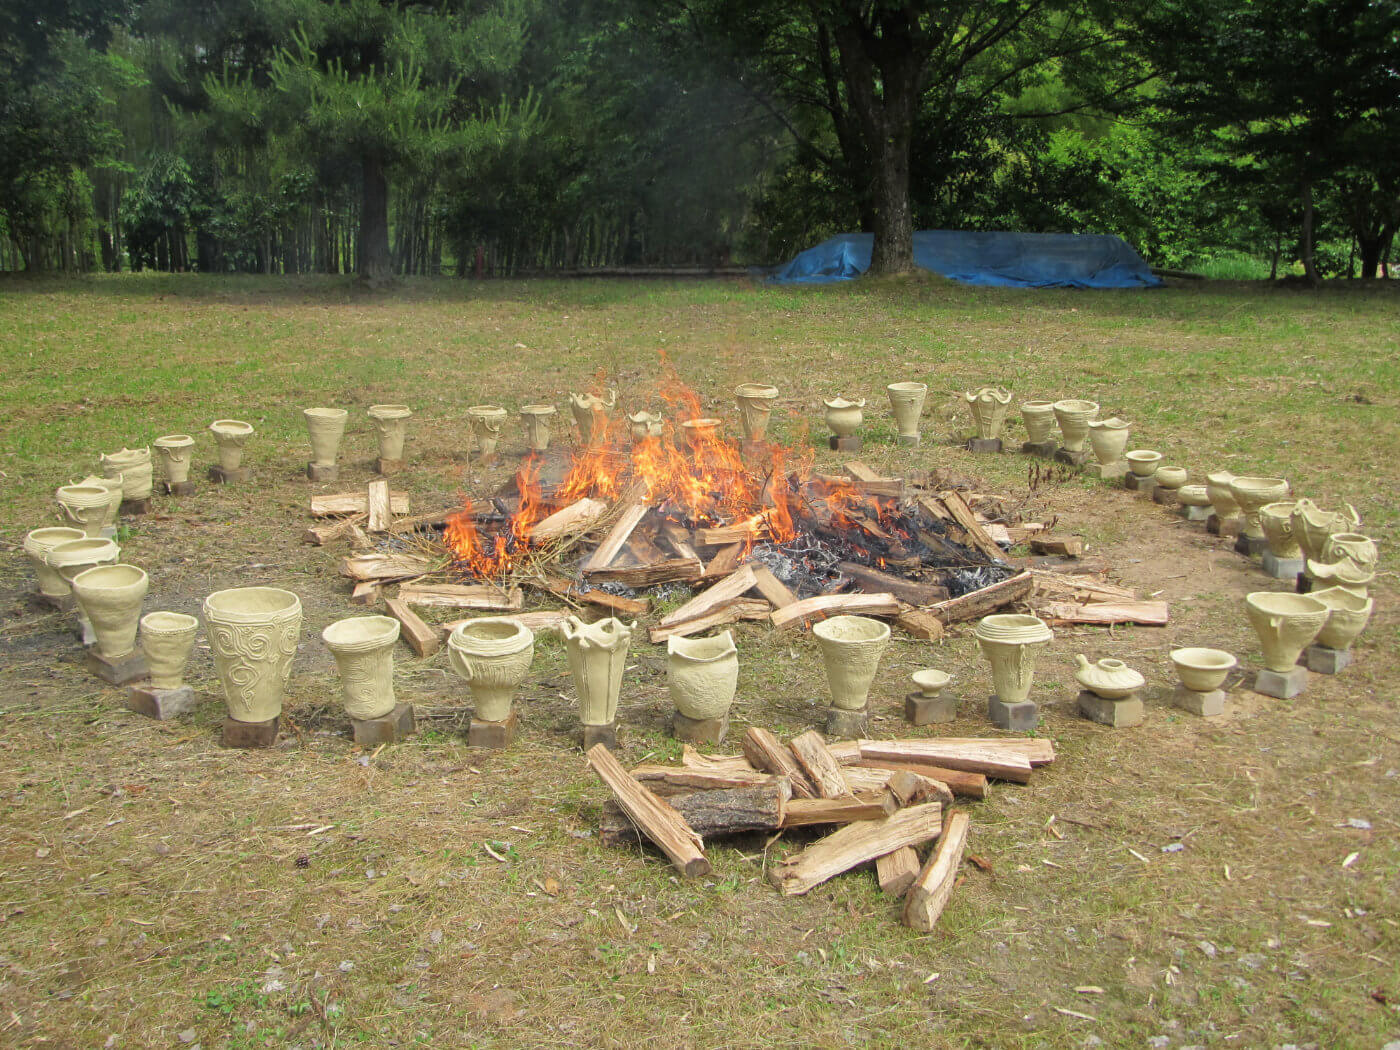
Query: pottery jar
pixel 645 425
pixel 1039 417
pixel 536 419
pixel 253 634
pixel 1107 678
pixel 493 654
pixel 486 422
pixel 1354 547
pixel 1312 525
pixel 851 648
pixel 174 452
pixel 988 406
pixel 1193 496
pixel 1276 519
pixel 700 432
pixel 1251 493
pixel 391 427
pixel 930 682
pixel 1347 616
pixel 1203 670
pixel 844 417
pixel 1170 478
pixel 1222 499
pixel 1073 415
pixel 597 655
pixel 37 546
pixel 907 403
pixel 1286 624
pixel 113 487
pixel 1341 573
pixel 325 427
pixel 591 413
pixel 133 467
pixel 702 674
pixel 1143 462
pixel 71 557
pixel 363 647
pixel 167 639
pixel 84 505
pixel 1011 642
pixel 231 435
pixel 110 597
pixel 755 401
pixel 1108 438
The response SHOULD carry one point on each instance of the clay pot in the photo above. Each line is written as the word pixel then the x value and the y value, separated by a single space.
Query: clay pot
pixel 231 435
pixel 110 597
pixel 1222 499
pixel 363 647
pixel 1193 496
pixel 1312 525
pixel 1143 462
pixel 1341 573
pixel 1108 438
pixel 253 634
pixel 1286 624
pixel 1171 478
pixel 645 425
pixel 1251 493
pixel 493 654
pixel 133 467
pixel 844 417
pixel 1073 415
pixel 83 505
pixel 1354 547
pixel 1011 642
pixel 1203 670
pixel 37 546
pixel 597 657
pixel 988 406
pixel 700 432
pixel 755 401
pixel 391 427
pixel 113 486
pixel 931 681
pixel 851 649
pixel 325 426
pixel 174 452
pixel 167 638
pixel 71 557
pixel 591 413
pixel 486 427
pixel 1347 616
pixel 1276 519
pixel 702 674
pixel 536 419
pixel 1039 417
pixel 907 403
pixel 1108 678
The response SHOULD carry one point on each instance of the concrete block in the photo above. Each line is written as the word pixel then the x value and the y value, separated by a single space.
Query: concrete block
pixel 1196 513
pixel 317 472
pixel 1207 705
pixel 247 735
pixel 1043 449
pixel 1283 686
pixel 921 710
pixel 1251 546
pixel 1021 717
pixel 1280 568
pixel 1217 526
pixel 846 444
pixel 178 488
pixel 219 476
pixel 135 507
pixel 1120 714
pixel 1323 659
pixel 125 669
pixel 385 467
pixel 1164 497
pixel 605 735
pixel 984 445
pixel 161 703
pixel 1073 459
pixel 495 736
pixel 1108 471
pixel 909 440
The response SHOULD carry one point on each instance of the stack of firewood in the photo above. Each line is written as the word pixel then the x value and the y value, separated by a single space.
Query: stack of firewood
pixel 884 798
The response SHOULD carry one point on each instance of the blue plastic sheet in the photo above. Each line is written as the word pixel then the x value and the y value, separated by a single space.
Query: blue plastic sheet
pixel 1025 260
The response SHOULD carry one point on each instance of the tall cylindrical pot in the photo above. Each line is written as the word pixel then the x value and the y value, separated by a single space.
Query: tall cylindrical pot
pixel 133 466
pixel 167 639
pixel 1073 415
pixel 363 647
pixel 231 435
pixel 253 633
pixel 325 427
pixel 907 403
pixel 755 401
pixel 391 427
pixel 85 506
pixel 110 597
pixel 175 452
pixel 1011 642
pixel 597 655
pixel 851 648
pixel 1039 417
pixel 702 674
pixel 1108 439
pixel 493 654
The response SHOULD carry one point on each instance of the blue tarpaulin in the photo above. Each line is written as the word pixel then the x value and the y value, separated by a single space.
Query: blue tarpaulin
pixel 1027 260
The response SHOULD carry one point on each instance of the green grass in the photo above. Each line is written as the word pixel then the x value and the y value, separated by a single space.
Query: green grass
pixel 152 882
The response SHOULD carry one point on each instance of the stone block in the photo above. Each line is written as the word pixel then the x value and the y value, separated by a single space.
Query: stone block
pixel 1043 449
pixel 1217 526
pixel 844 444
pixel 1108 471
pixel 178 488
pixel 1283 686
pixel 1142 486
pixel 699 730
pixel 319 472
pixel 120 671
pixel 1207 705
pixel 496 736
pixel 219 476
pixel 847 725
pixel 921 710
pixel 605 735
pixel 1323 659
pixel 1195 513
pixel 107 532
pixel 247 735
pixel 1164 497
pixel 1280 568
pixel 984 445
pixel 1120 714
pixel 1021 717
pixel 1072 459
pixel 909 440
pixel 385 467
pixel 1250 546
pixel 135 507
pixel 161 703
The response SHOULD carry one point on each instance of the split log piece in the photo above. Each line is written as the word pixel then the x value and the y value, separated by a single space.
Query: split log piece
pixel 631 517
pixel 713 598
pixel 658 819
pixel 377 506
pixel 366 592
pixel 1079 588
pixel 819 764
pixel 909 789
pixel 856 844
pixel 578 517
pixel 359 539
pixel 433 519
pixel 725 561
pixel 692 759
pixel 1064 546
pixel 563 588
pixel 729 811
pixel 463 596
pixel 869 805
pixel 919 624
pixel 675 570
pixel 800 613
pixel 1040 750
pixel 319 535
pixel 1001 765
pixel 347 503
pixel 897 871
pixel 967 521
pixel 772 588
pixel 693 779
pixel 873 581
pixel 959 782
pixel 739 609
pixel 421 638
pixel 1145 614
pixel 764 751
pixel 870 483
pixel 979 603
pixel 386 566
pixel 929 894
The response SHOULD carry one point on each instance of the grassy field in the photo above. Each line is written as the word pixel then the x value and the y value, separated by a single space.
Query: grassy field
pixel 160 891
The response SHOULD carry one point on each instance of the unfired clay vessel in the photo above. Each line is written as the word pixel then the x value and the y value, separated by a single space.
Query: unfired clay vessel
pixel 907 403
pixel 391 427
pixel 1222 499
pixel 110 597
pixel 645 425
pixel 493 654
pixel 231 435
pixel 74 556
pixel 174 452
pixel 83 505
pixel 37 545
pixel 536 419
pixel 700 432
pixel 325 427
pixel 1143 462
pixel 851 649
pixel 363 647
pixel 487 421
pixel 1276 519
pixel 1354 547
pixel 133 466
pixel 1203 670
pixel 1108 678
pixel 988 406
pixel 1347 616
pixel 253 634
pixel 167 639
pixel 702 674
pixel 1251 493
pixel 1170 478
pixel 1340 573
pixel 930 682
pixel 1011 642
pixel 755 401
pixel 1108 438
pixel 597 657
pixel 1286 625
pixel 1312 525
pixel 114 497
pixel 591 413
pixel 1193 496
pixel 1073 415
pixel 844 417
pixel 1039 417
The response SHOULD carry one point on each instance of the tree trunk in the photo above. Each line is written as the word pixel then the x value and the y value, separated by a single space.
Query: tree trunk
pixel 1309 266
pixel 376 262
pixel 1371 248
pixel 894 222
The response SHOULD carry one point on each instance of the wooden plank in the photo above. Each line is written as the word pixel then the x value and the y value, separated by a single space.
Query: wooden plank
pixel 540 620
pixel 436 518
pixel 419 637
pixel 658 820
pixel 967 521
pixel 377 506
pixel 346 503
pixel 933 506
pixel 764 751
pixel 1064 546
pixel 631 516
pixel 739 609
pixel 871 483
pixel 919 624
pixel 578 517
pixel 800 613
pixel 873 581
pixel 979 603
pixel 713 598
pixel 1144 614
pixel 675 570
pixel 897 871
pixel 699 779
pixel 1040 750
pixel 772 588
pixel 730 811
pixel 358 538
pixel 725 561
pixel 486 597
pixel 856 844
pixel 819 764
pixel 1001 765
pixel 910 789
pixel 386 566
pixel 319 535
pixel 929 894
pixel 960 782
pixel 869 805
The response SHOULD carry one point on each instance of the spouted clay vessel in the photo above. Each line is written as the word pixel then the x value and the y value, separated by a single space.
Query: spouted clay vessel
pixel 37 546
pixel 1108 678
pixel 844 417
pixel 536 420
pixel 174 452
pixel 1108 439
pixel 702 674
pixel 597 656
pixel 391 427
pixel 1073 415
pixel 363 647
pixel 487 421
pixel 110 597
pixel 755 401
pixel 231 435
pixel 253 634
pixel 988 406
pixel 133 467
pixel 85 506
pixel 1039 417
pixel 493 654
pixel 167 639
pixel 1286 625
pixel 592 413
pixel 1203 670
pixel 1011 642
pixel 907 403
pixel 325 427
pixel 645 425
pixel 851 649
pixel 1347 616
pixel 1251 493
